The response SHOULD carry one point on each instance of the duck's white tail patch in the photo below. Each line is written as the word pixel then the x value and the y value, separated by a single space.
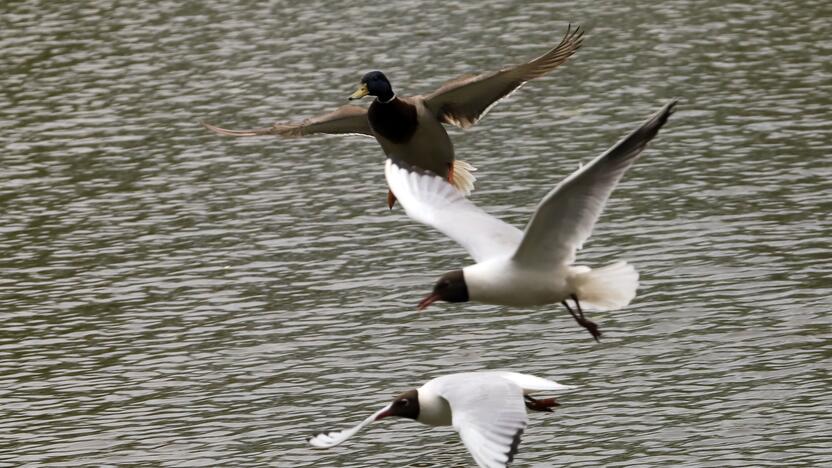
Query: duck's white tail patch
pixel 463 179
pixel 607 288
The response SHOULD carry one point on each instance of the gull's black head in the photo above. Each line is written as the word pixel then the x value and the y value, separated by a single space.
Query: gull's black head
pixel 450 287
pixel 374 84
pixel 405 405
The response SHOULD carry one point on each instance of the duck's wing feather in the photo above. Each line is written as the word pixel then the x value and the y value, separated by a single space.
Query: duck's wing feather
pixel 431 200
pixel 464 100
pixel 489 414
pixel 344 120
pixel 566 216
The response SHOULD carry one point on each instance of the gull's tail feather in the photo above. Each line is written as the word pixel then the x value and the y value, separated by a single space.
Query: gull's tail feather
pixel 607 288
pixel 463 179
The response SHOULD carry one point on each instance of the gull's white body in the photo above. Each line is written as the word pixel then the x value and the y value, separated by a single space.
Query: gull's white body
pixel 439 411
pixel 434 409
pixel 503 281
pixel 486 408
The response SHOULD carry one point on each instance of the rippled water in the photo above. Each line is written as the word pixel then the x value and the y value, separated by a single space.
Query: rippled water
pixel 170 297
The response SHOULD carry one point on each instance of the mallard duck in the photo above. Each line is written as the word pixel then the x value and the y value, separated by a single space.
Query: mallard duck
pixel 410 128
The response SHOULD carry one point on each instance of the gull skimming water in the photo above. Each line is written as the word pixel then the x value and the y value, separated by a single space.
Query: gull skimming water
pixel 487 409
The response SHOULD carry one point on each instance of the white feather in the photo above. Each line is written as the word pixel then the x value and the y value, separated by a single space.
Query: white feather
pixel 331 439
pixel 431 200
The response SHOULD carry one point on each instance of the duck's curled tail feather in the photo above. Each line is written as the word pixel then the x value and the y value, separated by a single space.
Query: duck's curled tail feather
pixel 462 178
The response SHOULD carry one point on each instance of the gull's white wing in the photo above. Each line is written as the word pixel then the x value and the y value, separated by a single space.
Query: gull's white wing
pixel 431 200
pixel 331 439
pixel 489 414
pixel 566 216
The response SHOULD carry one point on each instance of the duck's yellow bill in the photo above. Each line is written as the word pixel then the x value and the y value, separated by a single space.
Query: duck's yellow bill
pixel 360 92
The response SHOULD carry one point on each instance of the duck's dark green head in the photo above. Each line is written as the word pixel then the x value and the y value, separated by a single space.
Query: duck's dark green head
pixel 374 84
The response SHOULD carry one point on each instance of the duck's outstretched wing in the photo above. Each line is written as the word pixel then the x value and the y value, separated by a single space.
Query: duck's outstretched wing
pixel 430 199
pixel 344 120
pixel 464 100
pixel 565 217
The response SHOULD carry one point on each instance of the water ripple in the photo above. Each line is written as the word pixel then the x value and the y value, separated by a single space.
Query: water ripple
pixel 178 299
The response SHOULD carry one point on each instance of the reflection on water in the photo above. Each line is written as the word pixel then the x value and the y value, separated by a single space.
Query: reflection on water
pixel 174 298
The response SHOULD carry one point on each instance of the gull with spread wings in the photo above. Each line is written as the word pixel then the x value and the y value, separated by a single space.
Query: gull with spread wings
pixel 487 409
pixel 535 266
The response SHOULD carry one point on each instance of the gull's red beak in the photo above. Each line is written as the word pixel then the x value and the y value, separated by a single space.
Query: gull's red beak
pixel 386 412
pixel 428 300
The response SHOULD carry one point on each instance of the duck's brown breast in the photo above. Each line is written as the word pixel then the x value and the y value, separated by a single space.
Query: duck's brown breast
pixel 395 121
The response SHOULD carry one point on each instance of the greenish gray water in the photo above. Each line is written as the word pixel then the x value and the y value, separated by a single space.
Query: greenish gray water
pixel 173 298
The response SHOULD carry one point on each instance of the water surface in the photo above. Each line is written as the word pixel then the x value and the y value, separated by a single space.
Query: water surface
pixel 173 298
